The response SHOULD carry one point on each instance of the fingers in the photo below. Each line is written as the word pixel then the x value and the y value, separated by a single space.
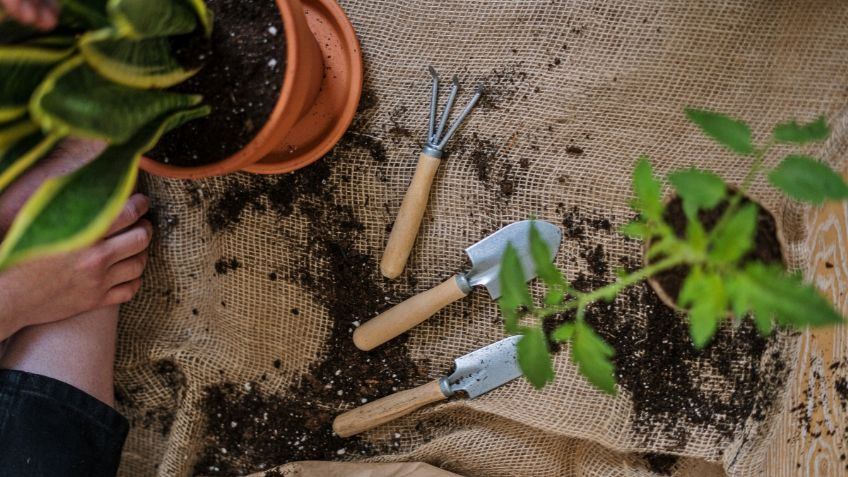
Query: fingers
pixel 42 14
pixel 128 243
pixel 47 15
pixel 126 270
pixel 122 293
pixel 135 208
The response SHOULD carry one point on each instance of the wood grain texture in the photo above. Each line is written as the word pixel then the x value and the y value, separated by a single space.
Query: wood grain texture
pixel 406 315
pixel 405 229
pixel 387 409
pixel 812 436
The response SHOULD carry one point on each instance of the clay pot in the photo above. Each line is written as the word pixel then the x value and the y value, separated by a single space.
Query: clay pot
pixel 304 83
pixel 663 294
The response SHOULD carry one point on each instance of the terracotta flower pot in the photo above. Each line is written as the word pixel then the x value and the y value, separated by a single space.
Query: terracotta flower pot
pixel 304 82
pixel 664 295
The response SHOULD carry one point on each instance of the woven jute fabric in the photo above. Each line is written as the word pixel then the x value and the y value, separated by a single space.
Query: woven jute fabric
pixel 611 78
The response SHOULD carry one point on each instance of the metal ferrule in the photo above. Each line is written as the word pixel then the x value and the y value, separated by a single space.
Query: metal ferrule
pixel 462 283
pixel 432 151
pixel 444 385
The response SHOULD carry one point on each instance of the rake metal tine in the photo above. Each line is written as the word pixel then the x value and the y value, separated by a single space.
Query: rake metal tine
pixel 451 99
pixel 434 97
pixel 458 121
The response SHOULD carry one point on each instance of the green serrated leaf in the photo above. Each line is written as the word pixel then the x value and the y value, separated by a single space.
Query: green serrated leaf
pixel 734 237
pixel 648 191
pixel 805 179
pixel 514 291
pixel 554 297
pixel 563 333
pixel 706 300
pixel 74 99
pixel 143 64
pixel 74 211
pixel 773 295
pixel 697 189
pixel 137 19
pixel 791 132
pixel 534 358
pixel 593 357
pixel 542 260
pixel 636 230
pixel 729 132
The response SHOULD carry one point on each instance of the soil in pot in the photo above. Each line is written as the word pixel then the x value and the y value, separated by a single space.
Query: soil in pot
pixel 241 80
pixel 766 243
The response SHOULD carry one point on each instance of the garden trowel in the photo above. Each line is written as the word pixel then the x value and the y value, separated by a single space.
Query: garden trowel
pixel 474 374
pixel 485 258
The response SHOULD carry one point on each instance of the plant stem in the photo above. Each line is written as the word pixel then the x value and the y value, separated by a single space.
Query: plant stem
pixel 582 300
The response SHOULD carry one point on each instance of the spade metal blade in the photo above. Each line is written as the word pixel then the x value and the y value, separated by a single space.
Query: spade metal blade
pixel 486 254
pixel 487 368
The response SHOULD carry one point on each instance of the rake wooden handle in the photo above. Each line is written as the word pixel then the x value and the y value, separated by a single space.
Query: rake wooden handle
pixel 387 409
pixel 409 217
pixel 406 315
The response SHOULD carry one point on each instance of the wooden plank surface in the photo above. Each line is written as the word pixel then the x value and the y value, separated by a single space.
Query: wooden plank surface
pixel 812 436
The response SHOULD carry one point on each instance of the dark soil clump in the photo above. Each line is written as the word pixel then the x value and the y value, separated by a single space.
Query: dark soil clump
pixel 224 265
pixel 766 247
pixel 673 386
pixel 662 464
pixel 241 81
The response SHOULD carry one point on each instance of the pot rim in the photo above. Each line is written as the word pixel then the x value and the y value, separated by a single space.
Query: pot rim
pixel 263 142
pixel 660 291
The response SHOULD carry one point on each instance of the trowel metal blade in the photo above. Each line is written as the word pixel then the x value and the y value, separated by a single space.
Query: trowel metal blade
pixel 487 368
pixel 486 254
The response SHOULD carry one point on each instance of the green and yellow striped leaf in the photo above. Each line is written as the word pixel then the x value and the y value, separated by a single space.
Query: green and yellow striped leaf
pixel 22 68
pixel 76 210
pixel 22 144
pixel 83 14
pixel 144 64
pixel 75 100
pixel 137 19
pixel 203 14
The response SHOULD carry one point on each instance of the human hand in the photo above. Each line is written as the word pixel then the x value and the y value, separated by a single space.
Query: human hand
pixel 42 14
pixel 60 286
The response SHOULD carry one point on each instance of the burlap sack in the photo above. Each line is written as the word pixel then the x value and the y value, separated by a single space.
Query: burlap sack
pixel 576 91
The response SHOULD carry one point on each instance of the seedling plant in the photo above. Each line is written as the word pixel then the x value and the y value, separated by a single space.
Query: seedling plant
pixel 721 282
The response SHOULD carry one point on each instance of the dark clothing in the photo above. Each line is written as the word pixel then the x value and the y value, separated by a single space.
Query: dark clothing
pixel 49 428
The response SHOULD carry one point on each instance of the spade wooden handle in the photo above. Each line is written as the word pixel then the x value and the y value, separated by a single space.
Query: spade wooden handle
pixel 406 315
pixel 409 217
pixel 387 409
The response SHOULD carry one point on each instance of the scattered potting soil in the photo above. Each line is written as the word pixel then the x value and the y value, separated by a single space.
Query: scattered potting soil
pixel 244 64
pixel 224 265
pixel 662 464
pixel 766 245
pixel 673 386
pixel 502 86
pixel 260 430
pixel 161 415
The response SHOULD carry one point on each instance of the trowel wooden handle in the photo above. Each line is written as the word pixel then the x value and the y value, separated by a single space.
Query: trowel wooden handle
pixel 407 315
pixel 387 409
pixel 409 217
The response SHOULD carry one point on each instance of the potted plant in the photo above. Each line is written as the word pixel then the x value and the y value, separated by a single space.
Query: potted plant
pixel 129 71
pixel 701 250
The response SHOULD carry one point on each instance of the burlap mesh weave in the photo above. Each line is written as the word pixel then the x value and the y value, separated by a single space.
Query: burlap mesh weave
pixel 609 77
